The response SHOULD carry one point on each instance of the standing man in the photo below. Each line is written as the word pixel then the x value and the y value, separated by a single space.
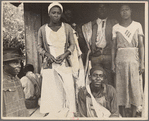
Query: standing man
pixel 98 36
pixel 13 95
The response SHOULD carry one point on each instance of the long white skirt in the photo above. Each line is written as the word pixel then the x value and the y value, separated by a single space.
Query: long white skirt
pixel 57 92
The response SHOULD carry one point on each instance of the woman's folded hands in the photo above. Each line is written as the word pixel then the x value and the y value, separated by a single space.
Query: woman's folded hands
pixel 57 60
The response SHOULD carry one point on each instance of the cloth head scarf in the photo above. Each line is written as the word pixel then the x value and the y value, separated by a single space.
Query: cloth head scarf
pixel 54 4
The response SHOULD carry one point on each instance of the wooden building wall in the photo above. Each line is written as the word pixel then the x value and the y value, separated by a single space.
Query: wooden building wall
pixel 32 18
pixel 36 14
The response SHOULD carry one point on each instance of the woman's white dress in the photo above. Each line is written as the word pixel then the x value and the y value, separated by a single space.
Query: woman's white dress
pixel 57 93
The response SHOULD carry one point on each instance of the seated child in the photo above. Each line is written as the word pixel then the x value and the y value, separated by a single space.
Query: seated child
pixel 31 83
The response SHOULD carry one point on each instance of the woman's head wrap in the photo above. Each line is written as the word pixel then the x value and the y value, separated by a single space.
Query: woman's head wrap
pixel 55 4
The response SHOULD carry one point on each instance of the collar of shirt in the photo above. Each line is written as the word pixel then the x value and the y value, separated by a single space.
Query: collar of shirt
pixel 9 80
pixel 29 72
pixel 99 21
pixel 7 75
pixel 101 93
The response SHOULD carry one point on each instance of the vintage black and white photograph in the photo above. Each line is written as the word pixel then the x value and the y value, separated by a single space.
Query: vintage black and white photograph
pixel 74 60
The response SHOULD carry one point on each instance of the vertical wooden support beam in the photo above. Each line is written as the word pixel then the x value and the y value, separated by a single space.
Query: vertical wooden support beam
pixel 45 17
pixel 32 18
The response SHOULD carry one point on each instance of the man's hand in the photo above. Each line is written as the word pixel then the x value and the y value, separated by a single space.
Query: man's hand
pixel 142 68
pixel 113 67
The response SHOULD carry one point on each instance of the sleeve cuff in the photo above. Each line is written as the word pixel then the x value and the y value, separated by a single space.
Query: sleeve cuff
pixel 114 37
pixel 69 50
pixel 141 35
pixel 43 53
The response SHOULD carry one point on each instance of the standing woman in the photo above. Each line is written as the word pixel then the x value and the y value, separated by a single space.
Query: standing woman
pixel 128 61
pixel 55 45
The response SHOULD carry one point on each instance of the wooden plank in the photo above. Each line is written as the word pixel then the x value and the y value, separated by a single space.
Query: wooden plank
pixel 37 114
pixel 31 111
pixel 45 17
pixel 32 18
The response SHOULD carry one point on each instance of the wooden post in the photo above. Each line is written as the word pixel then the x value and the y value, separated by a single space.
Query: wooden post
pixel 32 18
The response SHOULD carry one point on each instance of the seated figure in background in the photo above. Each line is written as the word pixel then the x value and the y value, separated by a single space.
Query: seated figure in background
pixel 31 83
pixel 97 99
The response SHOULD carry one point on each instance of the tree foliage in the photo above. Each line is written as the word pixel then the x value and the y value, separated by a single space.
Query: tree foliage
pixel 13 25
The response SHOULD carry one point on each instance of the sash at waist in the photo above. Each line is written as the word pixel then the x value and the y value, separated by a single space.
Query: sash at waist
pixel 128 48
pixel 127 54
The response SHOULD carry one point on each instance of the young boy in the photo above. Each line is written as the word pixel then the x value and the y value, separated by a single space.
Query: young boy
pixel 13 95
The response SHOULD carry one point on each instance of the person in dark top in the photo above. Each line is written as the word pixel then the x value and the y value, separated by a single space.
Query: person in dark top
pixel 13 95
pixel 98 36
